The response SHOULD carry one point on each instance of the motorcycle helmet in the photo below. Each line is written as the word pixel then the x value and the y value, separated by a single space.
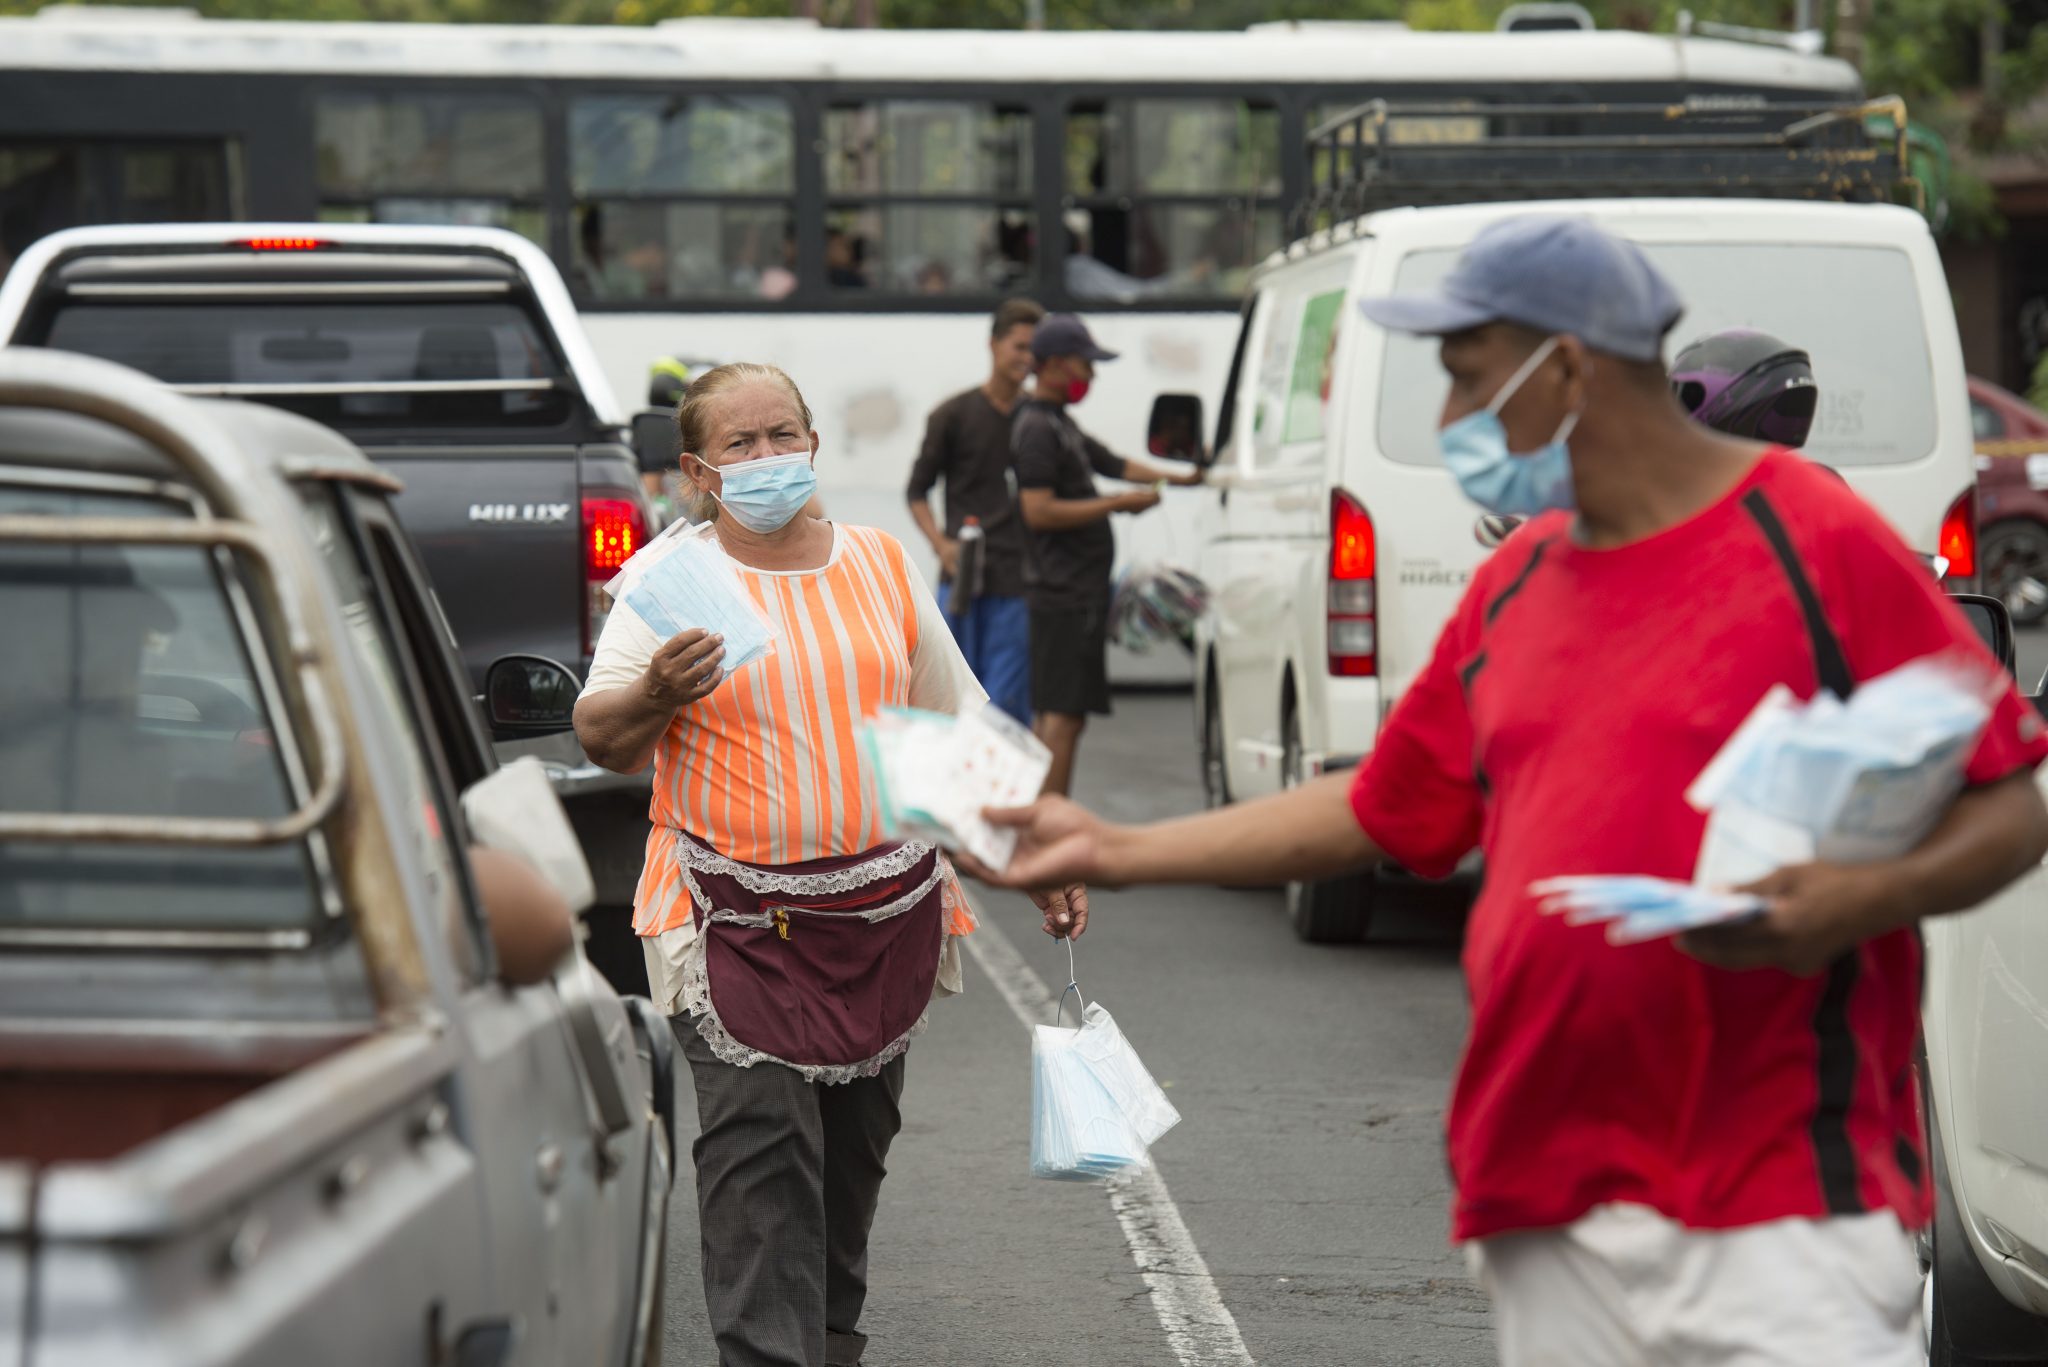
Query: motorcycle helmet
pixel 1747 384
pixel 667 380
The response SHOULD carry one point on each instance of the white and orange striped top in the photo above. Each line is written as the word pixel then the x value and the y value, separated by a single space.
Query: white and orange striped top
pixel 768 767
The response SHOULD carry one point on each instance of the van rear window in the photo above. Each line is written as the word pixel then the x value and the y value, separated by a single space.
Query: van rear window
pixel 301 343
pixel 1855 310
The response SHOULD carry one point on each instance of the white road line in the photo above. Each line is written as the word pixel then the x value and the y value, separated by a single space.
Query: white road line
pixel 1199 1327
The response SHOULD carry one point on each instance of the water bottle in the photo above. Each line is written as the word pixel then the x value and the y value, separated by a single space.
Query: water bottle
pixel 967 580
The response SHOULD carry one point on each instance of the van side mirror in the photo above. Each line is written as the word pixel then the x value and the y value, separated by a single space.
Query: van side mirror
pixel 656 443
pixel 1993 624
pixel 529 695
pixel 1174 430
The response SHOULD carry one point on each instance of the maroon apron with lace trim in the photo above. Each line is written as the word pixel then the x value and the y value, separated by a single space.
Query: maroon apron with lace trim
pixel 801 975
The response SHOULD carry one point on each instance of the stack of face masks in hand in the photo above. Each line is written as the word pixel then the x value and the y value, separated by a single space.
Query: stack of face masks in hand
pixel 1846 782
pixel 1156 603
pixel 1638 908
pixel 1095 1110
pixel 934 773
pixel 681 580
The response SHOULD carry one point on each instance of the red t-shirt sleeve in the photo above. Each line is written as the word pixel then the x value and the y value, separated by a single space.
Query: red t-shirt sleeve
pixel 1417 794
pixel 1891 610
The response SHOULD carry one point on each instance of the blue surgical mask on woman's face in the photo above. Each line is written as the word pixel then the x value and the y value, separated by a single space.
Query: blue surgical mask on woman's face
pixel 1521 483
pixel 763 495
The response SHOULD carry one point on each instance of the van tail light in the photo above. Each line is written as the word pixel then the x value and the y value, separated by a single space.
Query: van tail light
pixel 613 528
pixel 1959 536
pixel 1353 597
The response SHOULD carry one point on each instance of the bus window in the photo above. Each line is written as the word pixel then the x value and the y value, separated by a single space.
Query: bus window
pixel 1169 197
pixel 928 197
pixel 472 160
pixel 681 197
pixel 49 185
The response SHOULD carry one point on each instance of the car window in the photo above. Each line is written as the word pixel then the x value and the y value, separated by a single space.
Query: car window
pixel 301 345
pixel 131 690
pixel 1293 378
pixel 1855 310
pixel 1986 422
pixel 432 817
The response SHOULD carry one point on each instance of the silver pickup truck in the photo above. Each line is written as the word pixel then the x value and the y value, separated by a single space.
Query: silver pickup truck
pixel 454 358
pixel 267 1095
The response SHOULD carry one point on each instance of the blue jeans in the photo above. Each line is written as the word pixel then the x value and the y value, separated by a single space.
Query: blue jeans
pixel 995 636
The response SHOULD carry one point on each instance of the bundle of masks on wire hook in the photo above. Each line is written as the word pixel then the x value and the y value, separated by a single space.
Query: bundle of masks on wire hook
pixel 1095 1109
pixel 1847 782
pixel 1156 602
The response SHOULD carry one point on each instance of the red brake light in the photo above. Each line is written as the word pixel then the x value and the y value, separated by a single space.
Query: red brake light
pixel 1353 554
pixel 612 531
pixel 1351 609
pixel 1959 536
pixel 282 244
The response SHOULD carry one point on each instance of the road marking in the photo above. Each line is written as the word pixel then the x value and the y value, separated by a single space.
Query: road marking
pixel 1199 1327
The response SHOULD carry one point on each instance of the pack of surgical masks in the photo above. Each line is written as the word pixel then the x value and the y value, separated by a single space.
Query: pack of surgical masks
pixel 1095 1109
pixel 683 580
pixel 934 774
pixel 1846 782
pixel 1636 908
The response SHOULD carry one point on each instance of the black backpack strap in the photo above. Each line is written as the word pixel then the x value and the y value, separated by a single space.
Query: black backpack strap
pixel 1829 661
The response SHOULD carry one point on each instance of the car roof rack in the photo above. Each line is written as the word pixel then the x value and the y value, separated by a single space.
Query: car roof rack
pixel 1381 154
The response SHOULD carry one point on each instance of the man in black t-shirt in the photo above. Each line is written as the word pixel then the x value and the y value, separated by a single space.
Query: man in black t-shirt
pixel 967 444
pixel 1073 548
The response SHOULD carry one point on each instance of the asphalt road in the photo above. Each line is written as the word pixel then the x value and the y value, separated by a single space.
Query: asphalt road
pixel 1307 1170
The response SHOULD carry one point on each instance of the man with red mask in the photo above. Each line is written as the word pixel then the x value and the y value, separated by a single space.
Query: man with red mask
pixel 1073 548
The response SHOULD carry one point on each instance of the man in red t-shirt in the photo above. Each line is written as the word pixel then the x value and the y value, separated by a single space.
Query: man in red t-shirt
pixel 1705 1150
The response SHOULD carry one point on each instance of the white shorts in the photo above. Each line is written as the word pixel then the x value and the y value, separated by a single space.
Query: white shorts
pixel 1626 1287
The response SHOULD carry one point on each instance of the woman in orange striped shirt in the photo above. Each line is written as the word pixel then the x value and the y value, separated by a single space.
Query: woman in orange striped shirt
pixel 793 945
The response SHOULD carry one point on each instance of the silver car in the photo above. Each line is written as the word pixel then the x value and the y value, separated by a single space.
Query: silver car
pixel 266 1096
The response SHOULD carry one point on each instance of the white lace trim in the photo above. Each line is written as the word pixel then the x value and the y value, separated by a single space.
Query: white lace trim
pixel 696 1001
pixel 899 860
pixel 761 920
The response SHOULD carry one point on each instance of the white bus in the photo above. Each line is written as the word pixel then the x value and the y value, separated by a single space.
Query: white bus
pixel 848 204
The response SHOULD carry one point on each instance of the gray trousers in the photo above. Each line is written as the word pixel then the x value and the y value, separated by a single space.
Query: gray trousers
pixel 788 1176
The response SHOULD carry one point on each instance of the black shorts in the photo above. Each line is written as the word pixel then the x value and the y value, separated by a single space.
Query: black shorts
pixel 1069 660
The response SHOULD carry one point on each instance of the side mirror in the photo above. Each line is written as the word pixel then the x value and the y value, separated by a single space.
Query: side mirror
pixel 656 443
pixel 1175 428
pixel 529 695
pixel 1993 624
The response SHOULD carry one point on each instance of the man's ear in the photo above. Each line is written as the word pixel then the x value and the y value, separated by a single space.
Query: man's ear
pixel 814 447
pixel 1578 368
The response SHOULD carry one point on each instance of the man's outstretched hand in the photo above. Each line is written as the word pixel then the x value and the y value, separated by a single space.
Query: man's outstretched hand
pixel 1059 843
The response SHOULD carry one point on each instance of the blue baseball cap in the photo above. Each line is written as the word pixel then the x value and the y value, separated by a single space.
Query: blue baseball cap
pixel 1552 273
pixel 1063 334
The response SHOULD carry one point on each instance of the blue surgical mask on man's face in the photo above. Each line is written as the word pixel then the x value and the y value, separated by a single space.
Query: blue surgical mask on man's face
pixel 1520 483
pixel 763 495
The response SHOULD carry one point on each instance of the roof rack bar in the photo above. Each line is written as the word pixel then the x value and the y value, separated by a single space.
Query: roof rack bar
pixel 244 388
pixel 1470 152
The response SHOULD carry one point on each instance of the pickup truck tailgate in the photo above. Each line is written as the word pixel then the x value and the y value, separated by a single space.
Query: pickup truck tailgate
pixel 499 529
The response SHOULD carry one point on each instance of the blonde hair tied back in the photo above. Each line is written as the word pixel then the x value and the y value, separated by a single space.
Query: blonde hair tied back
pixel 693 414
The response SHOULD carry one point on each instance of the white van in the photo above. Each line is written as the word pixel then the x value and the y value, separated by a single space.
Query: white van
pixel 1338 544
